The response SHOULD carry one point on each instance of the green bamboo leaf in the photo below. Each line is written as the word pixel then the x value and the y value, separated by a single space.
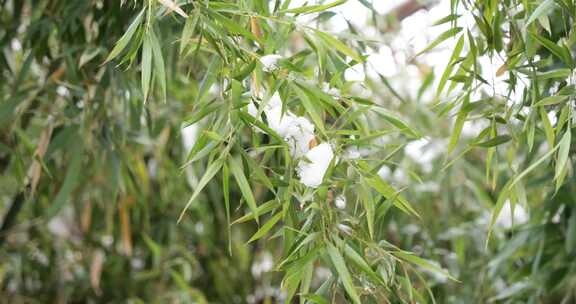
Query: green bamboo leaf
pixel 548 130
pixel 551 100
pixel 233 27
pixel 397 122
pixel 155 249
pixel 123 41
pixel 571 234
pixel 443 37
pixel 310 107
pixel 553 74
pixel 451 63
pixel 71 180
pixel 316 299
pixel 386 82
pixel 238 172
pixel 258 172
pixel 294 250
pixel 359 262
pixel 390 193
pixel 502 197
pixel 411 258
pixel 266 227
pixel 446 19
pixel 189 29
pixel 309 9
pixel 249 119
pixel 565 115
pixel 458 125
pixel 332 42
pixel 196 295
pixel 211 171
pixel 495 141
pixel 245 71
pixel 146 66
pixel 569 90
pixel 505 192
pixel 226 193
pixel 563 153
pixel 343 272
pixel 159 68
pixel 369 206
pixel 559 51
pixel 262 209
pixel 542 10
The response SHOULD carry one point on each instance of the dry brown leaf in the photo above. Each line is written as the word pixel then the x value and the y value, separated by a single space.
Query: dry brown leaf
pixel 313 143
pixel 125 227
pixel 501 70
pixel 96 270
pixel 86 219
pixel 255 27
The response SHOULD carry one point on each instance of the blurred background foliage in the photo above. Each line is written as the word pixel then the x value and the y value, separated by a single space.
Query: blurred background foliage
pixel 98 161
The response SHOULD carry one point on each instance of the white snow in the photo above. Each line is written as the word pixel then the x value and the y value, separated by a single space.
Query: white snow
pixel 270 62
pixel 297 131
pixel 312 169
pixel 506 218
pixel 424 151
pixel 262 264
pixel 189 135
pixel 340 202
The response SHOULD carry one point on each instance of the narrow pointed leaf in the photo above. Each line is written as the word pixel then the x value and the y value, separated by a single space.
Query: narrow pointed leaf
pixel 238 173
pixel 343 272
pixel 125 39
pixel 210 172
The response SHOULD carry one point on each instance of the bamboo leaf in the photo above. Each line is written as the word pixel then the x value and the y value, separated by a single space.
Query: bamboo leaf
pixel 309 9
pixel 559 51
pixel 71 180
pixel 390 193
pixel 233 27
pixel 211 171
pixel 339 46
pixel 310 107
pixel 266 227
pixel 343 272
pixel 450 66
pixel 551 100
pixel 359 262
pixel 548 130
pixel 505 192
pixel 238 172
pixel 226 194
pixel 443 37
pixel 553 74
pixel 123 41
pixel 146 66
pixel 159 68
pixel 495 141
pixel 563 153
pixel 542 10
pixel 397 122
pixel 458 125
pixel 189 29
pixel 411 258
pixel 262 209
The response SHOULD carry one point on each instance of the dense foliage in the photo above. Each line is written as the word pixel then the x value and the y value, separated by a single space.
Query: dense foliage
pixel 206 151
